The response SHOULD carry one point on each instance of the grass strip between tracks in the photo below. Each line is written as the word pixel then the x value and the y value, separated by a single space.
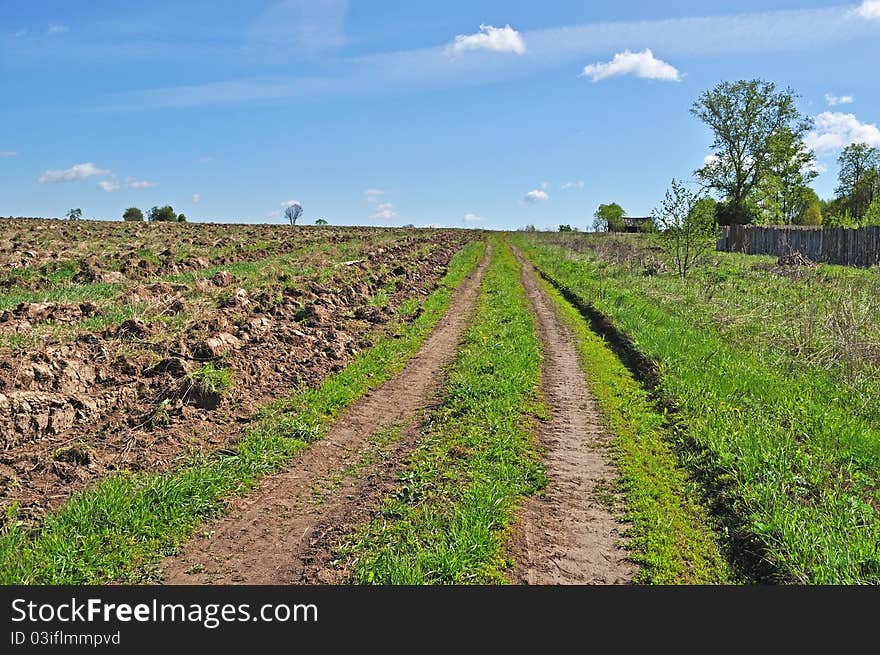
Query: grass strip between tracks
pixel 120 529
pixel 449 518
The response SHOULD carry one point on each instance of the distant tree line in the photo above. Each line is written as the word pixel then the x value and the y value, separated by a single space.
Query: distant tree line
pixel 164 214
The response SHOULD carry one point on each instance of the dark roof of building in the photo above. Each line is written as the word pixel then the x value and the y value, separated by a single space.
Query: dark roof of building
pixel 635 220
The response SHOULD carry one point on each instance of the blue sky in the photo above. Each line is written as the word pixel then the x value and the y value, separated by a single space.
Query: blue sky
pixel 461 113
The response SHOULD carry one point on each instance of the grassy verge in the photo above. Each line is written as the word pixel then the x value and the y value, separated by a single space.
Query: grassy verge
pixel 120 529
pixel 448 520
pixel 671 535
pixel 794 471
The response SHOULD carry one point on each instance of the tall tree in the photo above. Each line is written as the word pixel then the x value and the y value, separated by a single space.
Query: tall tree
pixel 75 214
pixel 750 120
pixel 609 218
pixel 858 179
pixel 791 169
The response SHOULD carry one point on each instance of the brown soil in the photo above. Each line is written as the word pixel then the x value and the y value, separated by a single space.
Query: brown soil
pixel 286 531
pixel 569 535
pixel 122 395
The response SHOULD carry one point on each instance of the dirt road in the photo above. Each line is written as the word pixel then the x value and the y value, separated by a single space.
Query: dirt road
pixel 568 536
pixel 284 532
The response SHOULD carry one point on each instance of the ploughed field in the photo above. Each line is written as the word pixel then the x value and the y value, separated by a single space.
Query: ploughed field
pixel 130 347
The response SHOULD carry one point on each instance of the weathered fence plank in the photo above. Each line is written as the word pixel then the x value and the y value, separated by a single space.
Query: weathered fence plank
pixel 836 245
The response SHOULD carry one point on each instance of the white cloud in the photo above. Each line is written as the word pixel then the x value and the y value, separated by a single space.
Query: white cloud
pixel 816 166
pixel 869 10
pixel 72 174
pixel 577 184
pixel 833 100
pixel 8 154
pixel 113 184
pixel 641 64
pixel 835 130
pixel 204 160
pixel 495 39
pixel 20 33
pixel 140 184
pixel 196 197
pixel 57 29
pixel 384 212
pixel 290 203
pixel 373 195
pixel 535 196
pixel 472 218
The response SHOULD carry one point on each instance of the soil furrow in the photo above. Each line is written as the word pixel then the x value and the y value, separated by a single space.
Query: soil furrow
pixel 568 535
pixel 283 532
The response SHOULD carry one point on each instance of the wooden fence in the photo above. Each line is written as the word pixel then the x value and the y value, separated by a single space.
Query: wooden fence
pixel 836 245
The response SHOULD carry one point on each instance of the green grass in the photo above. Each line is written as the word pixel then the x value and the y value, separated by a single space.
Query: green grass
pixel 792 464
pixel 671 535
pixel 121 528
pixel 449 518
pixel 212 379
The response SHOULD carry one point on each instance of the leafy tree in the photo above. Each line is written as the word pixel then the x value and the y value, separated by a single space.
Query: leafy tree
pixel 753 126
pixel 858 179
pixel 529 228
pixel 321 221
pixel 408 225
pixel 811 214
pixel 687 226
pixel 133 214
pixel 164 214
pixel 565 228
pixel 181 218
pixel 783 191
pixel 872 214
pixel 75 214
pixel 609 218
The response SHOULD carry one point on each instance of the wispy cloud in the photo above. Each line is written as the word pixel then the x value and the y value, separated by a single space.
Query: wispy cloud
pixel 641 64
pixel 472 218
pixel 535 196
pixel 57 29
pixel 373 195
pixel 493 39
pixel 835 130
pixel 415 70
pixel 75 173
pixel 834 100
pixel 8 154
pixel 298 28
pixel 577 184
pixel 129 183
pixel 196 197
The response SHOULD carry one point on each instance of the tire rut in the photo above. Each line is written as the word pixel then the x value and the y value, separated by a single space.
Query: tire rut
pixel 568 535
pixel 281 533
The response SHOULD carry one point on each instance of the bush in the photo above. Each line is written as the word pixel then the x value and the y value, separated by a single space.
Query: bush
pixel 133 214
pixel 162 214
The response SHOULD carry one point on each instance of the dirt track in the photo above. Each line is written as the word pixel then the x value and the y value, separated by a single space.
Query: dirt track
pixel 568 536
pixel 284 531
